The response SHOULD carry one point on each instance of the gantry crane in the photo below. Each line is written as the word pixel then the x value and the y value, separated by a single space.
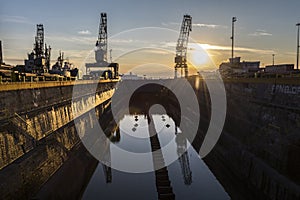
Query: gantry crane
pixel 39 59
pixel 109 70
pixel 41 51
pixel 101 44
pixel 39 41
pixel 181 48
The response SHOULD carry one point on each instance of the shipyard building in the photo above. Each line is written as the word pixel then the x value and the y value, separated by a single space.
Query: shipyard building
pixel 236 67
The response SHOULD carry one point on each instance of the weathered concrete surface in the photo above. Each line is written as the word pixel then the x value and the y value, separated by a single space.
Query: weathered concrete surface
pixel 70 181
pixel 10 86
pixel 30 115
pixel 23 99
pixel 260 143
pixel 25 176
pixel 35 135
pixel 259 146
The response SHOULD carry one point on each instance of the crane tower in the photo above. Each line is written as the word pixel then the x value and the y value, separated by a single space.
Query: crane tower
pixel 39 41
pixel 181 48
pixel 101 44
pixel 102 68
pixel 39 59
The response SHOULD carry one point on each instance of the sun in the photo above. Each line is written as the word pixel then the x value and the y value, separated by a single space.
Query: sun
pixel 199 58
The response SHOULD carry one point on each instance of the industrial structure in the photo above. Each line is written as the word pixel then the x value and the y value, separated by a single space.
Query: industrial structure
pixel 41 151
pixel 181 48
pixel 38 61
pixel 280 68
pixel 109 70
pixel 297 54
pixel 37 66
pixel 236 67
pixel 63 67
pixel 5 69
pixel 232 37
pixel 250 69
pixel 1 57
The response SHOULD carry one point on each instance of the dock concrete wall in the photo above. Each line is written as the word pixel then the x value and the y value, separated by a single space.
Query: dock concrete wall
pixel 260 142
pixel 36 132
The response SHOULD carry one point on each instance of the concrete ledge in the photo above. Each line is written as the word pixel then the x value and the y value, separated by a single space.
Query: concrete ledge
pixel 33 85
pixel 287 81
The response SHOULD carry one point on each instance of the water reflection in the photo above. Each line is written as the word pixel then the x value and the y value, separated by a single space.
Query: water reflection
pixel 162 180
pixel 183 159
pixel 133 135
pixel 115 137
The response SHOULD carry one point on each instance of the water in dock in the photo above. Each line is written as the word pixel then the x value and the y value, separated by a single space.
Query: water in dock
pixel 186 178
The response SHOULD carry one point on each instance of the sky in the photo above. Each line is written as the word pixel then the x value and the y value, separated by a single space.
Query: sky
pixel 142 32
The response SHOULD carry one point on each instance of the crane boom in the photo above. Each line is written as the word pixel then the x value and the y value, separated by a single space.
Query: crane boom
pixel 101 44
pixel 182 43
pixel 39 41
pixel 39 59
pixel 102 68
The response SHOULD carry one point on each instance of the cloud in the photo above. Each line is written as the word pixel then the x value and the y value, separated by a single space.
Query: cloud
pixel 156 51
pixel 241 49
pixel 193 46
pixel 201 25
pixel 209 26
pixel 125 41
pixel 168 45
pixel 15 19
pixel 14 60
pixel 72 39
pixel 260 32
pixel 84 32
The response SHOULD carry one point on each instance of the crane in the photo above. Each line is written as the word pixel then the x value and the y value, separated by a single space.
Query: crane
pixel 102 68
pixel 40 48
pixel 39 41
pixel 39 59
pixel 181 47
pixel 101 46
pixel 101 43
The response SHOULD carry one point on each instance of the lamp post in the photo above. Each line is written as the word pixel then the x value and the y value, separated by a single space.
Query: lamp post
pixel 1 58
pixel 298 46
pixel 273 58
pixel 232 37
